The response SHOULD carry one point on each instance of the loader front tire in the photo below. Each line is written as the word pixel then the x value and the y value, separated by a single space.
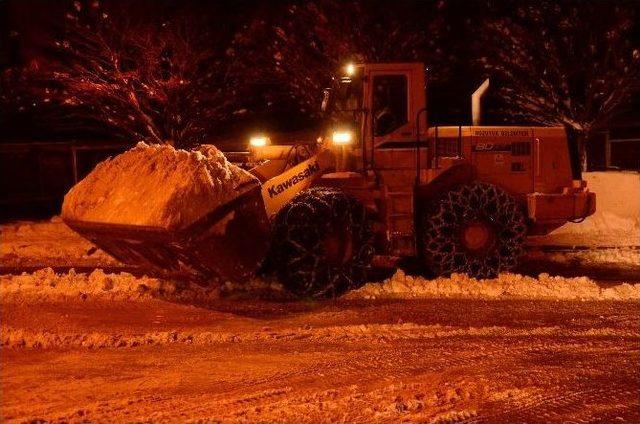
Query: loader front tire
pixel 477 229
pixel 322 243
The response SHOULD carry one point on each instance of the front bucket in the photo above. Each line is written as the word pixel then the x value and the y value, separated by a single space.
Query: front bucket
pixel 229 243
pixel 232 242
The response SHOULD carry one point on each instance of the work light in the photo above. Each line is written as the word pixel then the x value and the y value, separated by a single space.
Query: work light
pixel 258 141
pixel 350 69
pixel 342 137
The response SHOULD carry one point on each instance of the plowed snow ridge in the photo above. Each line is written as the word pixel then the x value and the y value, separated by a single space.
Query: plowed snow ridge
pixel 47 285
pixel 373 333
pixel 511 286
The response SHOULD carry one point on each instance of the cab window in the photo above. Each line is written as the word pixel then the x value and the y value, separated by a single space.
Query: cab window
pixel 389 103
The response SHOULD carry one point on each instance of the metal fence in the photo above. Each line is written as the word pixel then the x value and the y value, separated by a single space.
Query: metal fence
pixel 34 177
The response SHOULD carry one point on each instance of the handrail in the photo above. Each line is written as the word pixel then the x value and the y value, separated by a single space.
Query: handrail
pixel 373 140
pixel 421 111
pixel 435 149
pixel 363 135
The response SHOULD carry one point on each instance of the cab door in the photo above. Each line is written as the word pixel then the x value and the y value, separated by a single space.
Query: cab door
pixel 394 93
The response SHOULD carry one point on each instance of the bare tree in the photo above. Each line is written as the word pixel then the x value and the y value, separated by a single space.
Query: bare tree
pixel 182 79
pixel 563 63
pixel 160 81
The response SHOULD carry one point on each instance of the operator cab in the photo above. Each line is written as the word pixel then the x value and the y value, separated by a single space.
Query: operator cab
pixel 382 104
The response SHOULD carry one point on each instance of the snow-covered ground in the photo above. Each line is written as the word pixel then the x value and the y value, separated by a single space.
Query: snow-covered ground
pixel 48 243
pixel 620 263
pixel 116 348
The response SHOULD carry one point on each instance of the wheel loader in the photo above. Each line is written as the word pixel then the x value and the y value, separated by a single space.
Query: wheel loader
pixel 377 187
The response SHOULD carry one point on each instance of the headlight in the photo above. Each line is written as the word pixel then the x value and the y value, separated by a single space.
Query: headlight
pixel 350 69
pixel 258 141
pixel 342 137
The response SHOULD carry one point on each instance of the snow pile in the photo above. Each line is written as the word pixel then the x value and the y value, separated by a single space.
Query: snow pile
pixel 46 285
pixel 512 286
pixel 155 185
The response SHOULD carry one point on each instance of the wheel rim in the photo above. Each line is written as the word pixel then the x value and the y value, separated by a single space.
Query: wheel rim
pixel 477 229
pixel 477 236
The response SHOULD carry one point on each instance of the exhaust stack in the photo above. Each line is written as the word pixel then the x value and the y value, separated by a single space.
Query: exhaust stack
pixel 476 98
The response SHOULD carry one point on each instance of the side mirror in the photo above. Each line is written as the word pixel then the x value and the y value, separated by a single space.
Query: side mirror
pixel 326 96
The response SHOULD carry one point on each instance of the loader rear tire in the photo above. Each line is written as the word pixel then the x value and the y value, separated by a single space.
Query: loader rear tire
pixel 477 229
pixel 322 243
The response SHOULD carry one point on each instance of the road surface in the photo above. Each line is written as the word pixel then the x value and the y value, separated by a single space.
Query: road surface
pixel 438 360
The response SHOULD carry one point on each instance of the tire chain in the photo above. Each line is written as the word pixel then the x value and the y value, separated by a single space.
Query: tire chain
pixel 297 242
pixel 443 249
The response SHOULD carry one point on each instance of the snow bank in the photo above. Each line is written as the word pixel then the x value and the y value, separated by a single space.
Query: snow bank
pixel 46 285
pixel 510 286
pixel 617 218
pixel 48 243
pixel 155 185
